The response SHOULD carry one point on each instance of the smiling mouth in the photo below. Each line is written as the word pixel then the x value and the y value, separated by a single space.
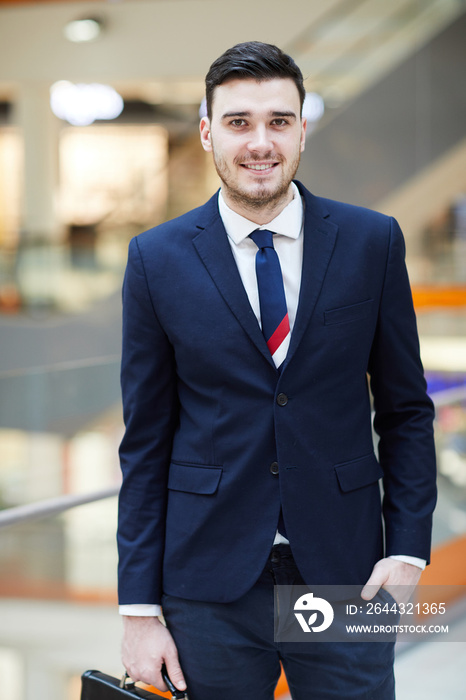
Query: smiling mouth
pixel 262 167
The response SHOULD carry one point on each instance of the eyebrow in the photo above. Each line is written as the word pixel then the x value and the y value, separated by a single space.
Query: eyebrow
pixel 229 115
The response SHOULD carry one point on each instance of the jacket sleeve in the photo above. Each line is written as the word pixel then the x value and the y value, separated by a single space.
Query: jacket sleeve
pixel 403 413
pixel 148 383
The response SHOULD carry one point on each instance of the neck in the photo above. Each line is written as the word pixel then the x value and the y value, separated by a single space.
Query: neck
pixel 258 211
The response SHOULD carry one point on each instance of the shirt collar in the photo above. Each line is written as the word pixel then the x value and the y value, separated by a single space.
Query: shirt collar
pixel 288 223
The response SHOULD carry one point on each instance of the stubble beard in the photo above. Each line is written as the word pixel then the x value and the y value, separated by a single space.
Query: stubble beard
pixel 263 196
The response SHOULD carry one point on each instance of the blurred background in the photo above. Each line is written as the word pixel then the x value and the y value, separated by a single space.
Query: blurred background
pixel 99 112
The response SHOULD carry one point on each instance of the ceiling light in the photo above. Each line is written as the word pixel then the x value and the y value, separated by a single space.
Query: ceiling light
pixel 86 29
pixel 313 107
pixel 82 104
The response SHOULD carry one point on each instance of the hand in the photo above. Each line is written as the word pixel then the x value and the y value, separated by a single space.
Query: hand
pixel 147 644
pixel 397 577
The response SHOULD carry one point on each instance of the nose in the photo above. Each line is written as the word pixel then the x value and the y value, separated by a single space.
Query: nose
pixel 260 140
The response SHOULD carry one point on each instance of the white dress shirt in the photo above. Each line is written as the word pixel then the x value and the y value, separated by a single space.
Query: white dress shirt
pixel 288 242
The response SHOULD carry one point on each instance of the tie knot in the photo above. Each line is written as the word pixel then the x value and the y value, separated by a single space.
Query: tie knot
pixel 262 238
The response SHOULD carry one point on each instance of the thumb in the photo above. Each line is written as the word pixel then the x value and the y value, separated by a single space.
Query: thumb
pixel 376 580
pixel 174 672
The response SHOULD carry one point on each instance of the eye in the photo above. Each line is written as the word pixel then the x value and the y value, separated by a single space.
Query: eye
pixel 279 121
pixel 238 122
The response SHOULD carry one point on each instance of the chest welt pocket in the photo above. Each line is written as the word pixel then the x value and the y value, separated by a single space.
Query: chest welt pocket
pixel 358 473
pixel 193 478
pixel 346 314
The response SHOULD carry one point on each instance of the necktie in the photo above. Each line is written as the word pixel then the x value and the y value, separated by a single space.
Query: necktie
pixel 274 314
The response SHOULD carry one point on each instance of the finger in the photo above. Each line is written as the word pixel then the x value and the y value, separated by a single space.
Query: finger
pixel 158 682
pixel 174 672
pixel 370 590
pixel 151 677
pixel 374 583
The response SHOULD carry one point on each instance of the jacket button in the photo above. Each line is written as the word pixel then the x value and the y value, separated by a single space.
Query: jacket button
pixel 274 467
pixel 282 399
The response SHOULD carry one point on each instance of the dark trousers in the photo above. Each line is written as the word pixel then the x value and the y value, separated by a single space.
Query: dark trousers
pixel 228 652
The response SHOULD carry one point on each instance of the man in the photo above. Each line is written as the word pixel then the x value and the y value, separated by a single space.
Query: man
pixel 248 458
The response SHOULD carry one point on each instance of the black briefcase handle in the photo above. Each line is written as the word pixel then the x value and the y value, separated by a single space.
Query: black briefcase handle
pixel 96 685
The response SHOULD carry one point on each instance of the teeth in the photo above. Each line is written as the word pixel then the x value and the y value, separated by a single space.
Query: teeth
pixel 258 167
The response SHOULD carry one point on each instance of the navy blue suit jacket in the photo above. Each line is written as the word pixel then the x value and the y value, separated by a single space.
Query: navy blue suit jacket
pixel 207 412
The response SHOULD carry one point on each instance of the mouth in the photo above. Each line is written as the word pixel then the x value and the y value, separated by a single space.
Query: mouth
pixel 259 167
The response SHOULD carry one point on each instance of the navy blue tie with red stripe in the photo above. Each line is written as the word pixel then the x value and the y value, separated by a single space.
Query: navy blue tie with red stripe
pixel 272 301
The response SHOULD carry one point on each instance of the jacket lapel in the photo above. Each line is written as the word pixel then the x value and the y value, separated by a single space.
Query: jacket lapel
pixel 320 236
pixel 215 252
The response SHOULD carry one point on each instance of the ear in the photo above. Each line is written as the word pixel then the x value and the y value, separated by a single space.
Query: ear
pixel 303 134
pixel 204 128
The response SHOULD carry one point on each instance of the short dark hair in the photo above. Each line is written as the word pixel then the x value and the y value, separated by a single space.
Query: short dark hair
pixel 252 60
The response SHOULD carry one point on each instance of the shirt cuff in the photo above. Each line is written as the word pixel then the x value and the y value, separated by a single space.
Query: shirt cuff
pixel 415 561
pixel 140 610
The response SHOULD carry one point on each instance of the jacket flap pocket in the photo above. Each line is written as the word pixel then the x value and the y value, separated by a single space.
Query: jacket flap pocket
pixel 345 314
pixel 193 478
pixel 358 473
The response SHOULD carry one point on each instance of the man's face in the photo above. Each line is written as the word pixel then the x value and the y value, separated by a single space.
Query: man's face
pixel 256 136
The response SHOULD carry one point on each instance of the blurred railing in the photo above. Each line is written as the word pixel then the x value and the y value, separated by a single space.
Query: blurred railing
pixel 57 551
pixel 59 433
pixel 53 506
